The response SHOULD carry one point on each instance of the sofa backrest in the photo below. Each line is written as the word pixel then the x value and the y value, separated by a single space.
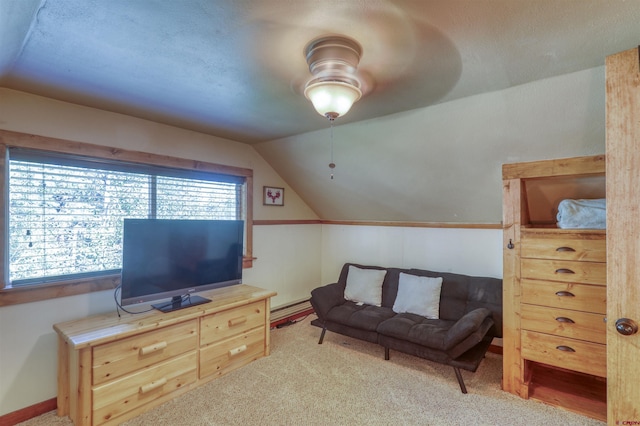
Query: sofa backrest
pixel 459 295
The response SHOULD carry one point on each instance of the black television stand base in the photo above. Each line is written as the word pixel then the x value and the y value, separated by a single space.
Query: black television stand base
pixel 181 302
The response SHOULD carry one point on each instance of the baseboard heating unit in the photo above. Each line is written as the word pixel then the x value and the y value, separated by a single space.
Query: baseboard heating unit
pixel 291 312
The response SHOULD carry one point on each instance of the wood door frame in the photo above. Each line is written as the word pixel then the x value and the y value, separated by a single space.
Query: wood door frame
pixel 623 233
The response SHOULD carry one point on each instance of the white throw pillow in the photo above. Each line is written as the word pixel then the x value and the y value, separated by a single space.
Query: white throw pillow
pixel 418 295
pixel 364 285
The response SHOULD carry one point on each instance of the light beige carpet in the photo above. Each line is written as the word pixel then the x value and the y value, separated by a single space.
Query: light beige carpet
pixel 347 382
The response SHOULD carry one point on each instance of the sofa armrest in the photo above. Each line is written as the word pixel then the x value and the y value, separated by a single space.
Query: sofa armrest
pixel 326 297
pixel 471 323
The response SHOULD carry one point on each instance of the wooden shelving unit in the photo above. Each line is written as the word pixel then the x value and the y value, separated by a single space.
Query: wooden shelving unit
pixel 554 287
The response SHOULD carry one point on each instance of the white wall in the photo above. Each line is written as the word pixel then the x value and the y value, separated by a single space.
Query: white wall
pixel 464 251
pixel 288 261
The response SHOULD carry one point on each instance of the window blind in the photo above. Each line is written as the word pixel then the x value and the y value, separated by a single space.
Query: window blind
pixel 66 212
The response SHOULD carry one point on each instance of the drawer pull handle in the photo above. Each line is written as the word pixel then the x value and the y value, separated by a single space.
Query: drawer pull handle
pixel 565 319
pixel 153 385
pixel 565 294
pixel 564 271
pixel 237 350
pixel 237 321
pixel 565 249
pixel 565 348
pixel 152 348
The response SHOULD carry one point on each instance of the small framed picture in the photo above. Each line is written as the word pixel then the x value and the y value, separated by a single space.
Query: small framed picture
pixel 273 196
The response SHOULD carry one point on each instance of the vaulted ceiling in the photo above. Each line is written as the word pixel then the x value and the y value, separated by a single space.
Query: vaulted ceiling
pixel 236 69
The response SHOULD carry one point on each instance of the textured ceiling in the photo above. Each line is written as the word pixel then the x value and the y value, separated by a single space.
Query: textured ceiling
pixel 235 69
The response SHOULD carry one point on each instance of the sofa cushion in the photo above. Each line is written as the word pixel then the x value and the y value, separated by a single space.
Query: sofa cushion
pixel 418 295
pixel 363 317
pixel 389 286
pixel 453 337
pixel 417 329
pixel 364 285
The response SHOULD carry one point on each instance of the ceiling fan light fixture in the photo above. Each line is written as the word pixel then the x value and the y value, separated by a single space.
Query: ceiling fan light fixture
pixel 332 99
pixel 333 61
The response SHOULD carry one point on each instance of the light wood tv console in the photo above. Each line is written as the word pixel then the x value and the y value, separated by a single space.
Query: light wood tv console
pixel 113 368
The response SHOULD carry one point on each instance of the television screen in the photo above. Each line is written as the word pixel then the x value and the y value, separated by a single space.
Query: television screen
pixel 166 258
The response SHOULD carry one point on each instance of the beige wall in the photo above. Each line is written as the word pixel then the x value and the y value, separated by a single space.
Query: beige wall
pixel 22 112
pixel 27 341
pixel 443 163
pixel 293 259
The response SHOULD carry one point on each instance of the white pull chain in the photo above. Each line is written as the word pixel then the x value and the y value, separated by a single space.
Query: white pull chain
pixel 332 165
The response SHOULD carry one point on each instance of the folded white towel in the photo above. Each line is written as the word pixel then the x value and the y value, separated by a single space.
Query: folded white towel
pixel 590 214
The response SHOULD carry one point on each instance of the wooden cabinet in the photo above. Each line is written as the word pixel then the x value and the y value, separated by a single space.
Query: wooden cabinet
pixel 554 287
pixel 571 337
pixel 139 361
pixel 230 339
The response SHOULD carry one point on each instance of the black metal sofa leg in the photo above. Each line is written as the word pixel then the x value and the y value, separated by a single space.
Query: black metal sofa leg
pixel 463 388
pixel 324 329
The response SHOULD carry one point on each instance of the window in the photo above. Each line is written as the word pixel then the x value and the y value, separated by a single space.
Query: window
pixel 64 212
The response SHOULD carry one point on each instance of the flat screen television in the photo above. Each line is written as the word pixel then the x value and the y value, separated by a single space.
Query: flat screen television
pixel 171 259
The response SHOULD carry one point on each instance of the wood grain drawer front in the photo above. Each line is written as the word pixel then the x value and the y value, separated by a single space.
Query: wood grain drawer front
pixel 571 354
pixel 561 322
pixel 577 297
pixel 565 271
pixel 113 360
pixel 589 248
pixel 131 392
pixel 232 353
pixel 224 324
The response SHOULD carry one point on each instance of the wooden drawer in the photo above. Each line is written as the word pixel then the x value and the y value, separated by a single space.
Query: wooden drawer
pixel 233 353
pixel 586 357
pixel 132 392
pixel 562 322
pixel 116 359
pixel 577 297
pixel 583 247
pixel 565 271
pixel 229 323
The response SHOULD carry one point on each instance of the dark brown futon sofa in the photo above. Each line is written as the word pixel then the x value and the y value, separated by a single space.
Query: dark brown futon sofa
pixel 443 317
